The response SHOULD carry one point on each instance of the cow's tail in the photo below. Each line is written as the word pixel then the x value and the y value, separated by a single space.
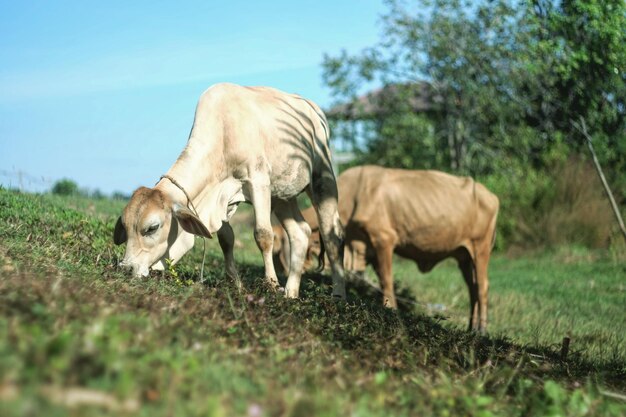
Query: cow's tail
pixel 321 258
pixel 337 232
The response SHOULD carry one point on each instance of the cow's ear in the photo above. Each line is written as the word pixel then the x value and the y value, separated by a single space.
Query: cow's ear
pixel 191 223
pixel 119 235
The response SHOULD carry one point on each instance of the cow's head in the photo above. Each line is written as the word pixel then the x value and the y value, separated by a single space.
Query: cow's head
pixel 153 228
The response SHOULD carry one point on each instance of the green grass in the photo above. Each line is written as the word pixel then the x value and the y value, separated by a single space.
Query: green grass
pixel 102 208
pixel 536 300
pixel 72 326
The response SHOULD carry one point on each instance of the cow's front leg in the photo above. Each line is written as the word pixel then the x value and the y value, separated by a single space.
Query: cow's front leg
pixel 263 233
pixel 384 242
pixel 383 266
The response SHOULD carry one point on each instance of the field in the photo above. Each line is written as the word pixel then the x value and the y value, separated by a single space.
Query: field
pixel 79 338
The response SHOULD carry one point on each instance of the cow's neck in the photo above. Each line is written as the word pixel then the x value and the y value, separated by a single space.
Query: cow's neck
pixel 198 177
pixel 199 170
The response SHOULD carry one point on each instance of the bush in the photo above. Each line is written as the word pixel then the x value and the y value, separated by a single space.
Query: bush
pixel 65 186
pixel 562 205
pixel 118 195
pixel 578 211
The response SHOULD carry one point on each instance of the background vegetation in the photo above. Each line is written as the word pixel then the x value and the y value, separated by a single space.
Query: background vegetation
pixel 495 89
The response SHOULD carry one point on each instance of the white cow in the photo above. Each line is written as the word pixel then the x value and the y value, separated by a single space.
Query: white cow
pixel 247 144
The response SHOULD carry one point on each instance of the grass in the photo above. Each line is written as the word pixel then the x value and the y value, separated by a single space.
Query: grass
pixel 537 300
pixel 79 338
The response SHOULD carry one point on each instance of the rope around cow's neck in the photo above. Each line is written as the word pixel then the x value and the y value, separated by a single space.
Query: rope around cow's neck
pixel 193 209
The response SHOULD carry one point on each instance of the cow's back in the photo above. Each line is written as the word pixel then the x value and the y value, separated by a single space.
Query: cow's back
pixel 262 127
pixel 428 211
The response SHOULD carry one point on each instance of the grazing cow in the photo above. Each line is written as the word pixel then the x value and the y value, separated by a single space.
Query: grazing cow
pixel 247 144
pixel 426 216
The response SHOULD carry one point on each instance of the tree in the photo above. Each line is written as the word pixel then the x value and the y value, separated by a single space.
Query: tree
pixel 65 186
pixel 119 195
pixel 96 194
pixel 507 80
pixel 578 71
pixel 581 50
pixel 509 76
pixel 468 55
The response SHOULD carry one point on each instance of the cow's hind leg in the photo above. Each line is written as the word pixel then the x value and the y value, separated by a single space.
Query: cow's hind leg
pixel 226 238
pixel 298 232
pixel 259 190
pixel 323 194
pixel 466 266
pixel 384 258
pixel 482 281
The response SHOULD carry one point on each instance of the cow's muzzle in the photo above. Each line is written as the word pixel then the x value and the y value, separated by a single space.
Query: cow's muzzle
pixel 133 269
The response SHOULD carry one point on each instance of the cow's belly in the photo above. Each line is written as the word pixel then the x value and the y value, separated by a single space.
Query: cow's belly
pixel 430 235
pixel 432 242
pixel 427 259
pixel 290 179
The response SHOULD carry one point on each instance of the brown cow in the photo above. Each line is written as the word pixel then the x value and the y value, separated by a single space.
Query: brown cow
pixel 426 216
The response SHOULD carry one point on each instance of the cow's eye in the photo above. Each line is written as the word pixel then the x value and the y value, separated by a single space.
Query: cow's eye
pixel 151 229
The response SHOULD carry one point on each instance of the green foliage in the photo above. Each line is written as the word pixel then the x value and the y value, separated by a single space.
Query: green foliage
pixel 404 140
pixel 173 273
pixel 95 194
pixel 507 77
pixel 118 195
pixel 65 187
pixel 519 192
pixel 577 69
pixel 580 51
pixel 505 81
pixel 560 205
pixel 72 326
pixel 469 56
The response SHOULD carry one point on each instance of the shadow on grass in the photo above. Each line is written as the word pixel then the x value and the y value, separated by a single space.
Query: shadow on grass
pixel 407 340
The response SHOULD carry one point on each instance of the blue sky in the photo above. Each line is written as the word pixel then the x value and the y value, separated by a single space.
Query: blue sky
pixel 104 92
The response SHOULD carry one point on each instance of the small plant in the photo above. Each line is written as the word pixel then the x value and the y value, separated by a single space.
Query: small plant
pixel 171 270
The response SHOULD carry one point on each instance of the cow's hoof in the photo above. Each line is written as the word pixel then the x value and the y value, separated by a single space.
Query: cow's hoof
pixel 272 283
pixel 339 298
pixel 339 293
pixel 269 286
pixel 478 331
pixel 291 292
